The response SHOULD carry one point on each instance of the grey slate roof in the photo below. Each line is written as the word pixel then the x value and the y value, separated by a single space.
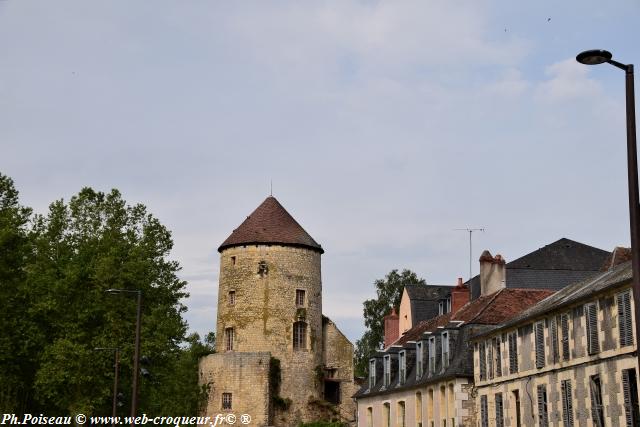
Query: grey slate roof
pixel 553 266
pixel 424 300
pixel 574 293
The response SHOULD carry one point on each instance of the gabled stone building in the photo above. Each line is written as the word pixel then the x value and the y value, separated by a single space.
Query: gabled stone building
pixel 567 361
pixel 278 358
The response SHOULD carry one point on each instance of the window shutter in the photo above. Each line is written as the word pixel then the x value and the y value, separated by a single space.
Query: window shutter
pixel 564 324
pixel 483 362
pixel 498 356
pixel 593 345
pixel 542 406
pixel 513 352
pixel 539 332
pixel 484 411
pixel 553 329
pixel 567 404
pixel 625 324
pixel 499 411
pixel 626 389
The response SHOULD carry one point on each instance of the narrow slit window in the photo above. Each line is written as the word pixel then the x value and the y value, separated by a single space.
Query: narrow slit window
pixel 232 297
pixel 299 336
pixel 227 401
pixel 228 339
pixel 300 297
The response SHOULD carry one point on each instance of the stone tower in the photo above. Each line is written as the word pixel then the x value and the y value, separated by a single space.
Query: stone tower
pixel 270 314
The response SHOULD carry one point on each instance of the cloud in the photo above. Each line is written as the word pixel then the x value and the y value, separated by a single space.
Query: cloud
pixel 568 81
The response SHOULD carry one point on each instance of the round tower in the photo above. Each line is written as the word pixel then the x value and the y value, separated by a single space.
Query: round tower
pixel 270 300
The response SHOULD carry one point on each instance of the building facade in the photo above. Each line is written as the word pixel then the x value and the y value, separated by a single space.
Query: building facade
pixel 278 358
pixel 567 361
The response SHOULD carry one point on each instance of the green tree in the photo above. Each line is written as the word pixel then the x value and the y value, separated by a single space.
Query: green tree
pixel 389 292
pixel 54 270
pixel 17 343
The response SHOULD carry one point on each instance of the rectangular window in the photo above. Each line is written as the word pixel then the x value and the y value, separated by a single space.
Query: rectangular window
pixel 499 410
pixel 513 352
pixel 387 371
pixel 449 305
pixel 441 307
pixel 597 409
pixel 553 332
pixel 432 355
pixel 232 297
pixel 567 403
pixel 539 336
pixel 233 260
pixel 386 414
pixel 300 294
pixel 543 417
pixel 564 325
pixel 228 339
pixel 419 357
pixel 369 416
pixel 497 355
pixel 372 373
pixel 484 412
pixel 593 343
pixel 445 350
pixel 403 366
pixel 299 336
pixel 419 408
pixel 227 400
pixel 490 360
pixel 483 361
pixel 516 401
pixel 630 392
pixel 625 324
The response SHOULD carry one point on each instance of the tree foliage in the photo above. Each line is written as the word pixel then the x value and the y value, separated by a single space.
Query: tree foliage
pixel 389 293
pixel 54 271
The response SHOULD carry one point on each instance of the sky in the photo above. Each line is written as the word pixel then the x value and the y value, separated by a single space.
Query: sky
pixel 383 125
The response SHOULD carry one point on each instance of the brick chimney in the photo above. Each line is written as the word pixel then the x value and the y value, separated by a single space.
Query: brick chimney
pixel 391 328
pixel 493 273
pixel 459 296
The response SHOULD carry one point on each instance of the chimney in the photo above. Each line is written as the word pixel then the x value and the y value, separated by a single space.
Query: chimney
pixel 391 328
pixel 618 256
pixel 459 296
pixel 493 273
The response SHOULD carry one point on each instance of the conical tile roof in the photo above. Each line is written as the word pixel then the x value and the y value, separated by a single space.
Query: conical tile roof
pixel 270 223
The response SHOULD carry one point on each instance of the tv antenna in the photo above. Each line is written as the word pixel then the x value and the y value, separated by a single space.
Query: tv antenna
pixel 470 231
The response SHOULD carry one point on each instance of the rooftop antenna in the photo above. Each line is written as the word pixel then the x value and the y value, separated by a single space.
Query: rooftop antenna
pixel 272 188
pixel 470 231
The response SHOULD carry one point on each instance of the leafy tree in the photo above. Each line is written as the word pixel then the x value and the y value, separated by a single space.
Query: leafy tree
pixel 389 293
pixel 54 270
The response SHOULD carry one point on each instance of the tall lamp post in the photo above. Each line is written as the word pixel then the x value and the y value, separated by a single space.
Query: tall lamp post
pixel 116 351
pixel 595 57
pixel 136 351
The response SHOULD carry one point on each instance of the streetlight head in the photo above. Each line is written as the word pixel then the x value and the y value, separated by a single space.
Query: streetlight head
pixel 594 57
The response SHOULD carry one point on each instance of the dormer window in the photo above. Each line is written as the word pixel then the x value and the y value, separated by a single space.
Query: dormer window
pixel 449 305
pixel 419 360
pixel 403 366
pixel 387 371
pixel 441 308
pixel 445 349
pixel 432 355
pixel 372 373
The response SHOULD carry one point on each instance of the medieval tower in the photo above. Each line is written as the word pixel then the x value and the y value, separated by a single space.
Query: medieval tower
pixel 278 359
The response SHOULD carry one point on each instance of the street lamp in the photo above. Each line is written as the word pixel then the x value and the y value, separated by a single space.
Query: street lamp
pixel 136 351
pixel 116 351
pixel 595 57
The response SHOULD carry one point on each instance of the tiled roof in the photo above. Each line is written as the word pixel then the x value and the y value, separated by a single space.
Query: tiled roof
pixel 427 292
pixel 270 223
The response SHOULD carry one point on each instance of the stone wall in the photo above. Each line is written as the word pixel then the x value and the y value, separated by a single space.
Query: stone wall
pixel 337 356
pixel 264 280
pixel 228 373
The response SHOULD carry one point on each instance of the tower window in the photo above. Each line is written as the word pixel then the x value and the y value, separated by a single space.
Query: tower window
pixel 232 297
pixel 228 339
pixel 300 296
pixel 263 269
pixel 233 260
pixel 227 400
pixel 299 336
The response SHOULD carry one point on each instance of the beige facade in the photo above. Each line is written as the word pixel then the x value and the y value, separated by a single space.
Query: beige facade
pixel 572 364
pixel 443 403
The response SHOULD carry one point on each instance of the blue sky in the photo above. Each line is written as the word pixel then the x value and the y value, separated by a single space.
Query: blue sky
pixel 383 125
